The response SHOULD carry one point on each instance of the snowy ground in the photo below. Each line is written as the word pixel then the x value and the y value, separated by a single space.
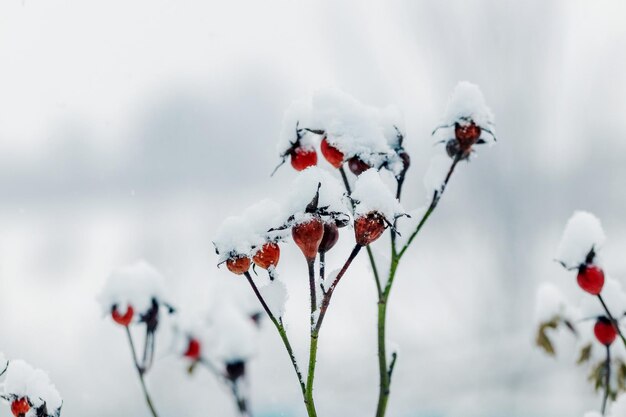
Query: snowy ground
pixel 132 129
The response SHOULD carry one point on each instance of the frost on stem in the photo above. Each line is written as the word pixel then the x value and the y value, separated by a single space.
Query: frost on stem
pixel 29 391
pixel 583 234
pixel 348 130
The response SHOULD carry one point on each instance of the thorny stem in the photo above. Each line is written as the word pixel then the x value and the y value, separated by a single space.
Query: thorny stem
pixel 615 322
pixel 140 372
pixel 278 323
pixel 607 379
pixel 385 370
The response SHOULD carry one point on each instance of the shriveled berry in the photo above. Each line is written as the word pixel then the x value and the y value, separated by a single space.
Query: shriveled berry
pixel 193 349
pixel 123 319
pixel 235 370
pixel 333 155
pixel 331 235
pixel 368 228
pixel 591 279
pixel 238 264
pixel 308 236
pixel 357 166
pixel 20 407
pixel 303 157
pixel 267 256
pixel 605 331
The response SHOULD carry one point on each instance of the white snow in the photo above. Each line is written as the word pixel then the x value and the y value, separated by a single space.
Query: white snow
pixel 550 303
pixel 305 186
pixel 436 174
pixel 22 380
pixel 593 414
pixel 275 295
pixel 468 103
pixel 234 333
pixel 618 409
pixel 136 285
pixel 582 233
pixel 371 194
pixel 354 128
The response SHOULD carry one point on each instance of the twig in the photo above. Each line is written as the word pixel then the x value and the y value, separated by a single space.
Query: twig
pixel 607 379
pixel 140 372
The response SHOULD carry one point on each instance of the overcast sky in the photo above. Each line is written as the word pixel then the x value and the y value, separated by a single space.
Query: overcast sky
pixel 131 128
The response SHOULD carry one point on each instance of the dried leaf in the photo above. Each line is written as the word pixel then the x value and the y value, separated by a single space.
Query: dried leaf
pixel 585 354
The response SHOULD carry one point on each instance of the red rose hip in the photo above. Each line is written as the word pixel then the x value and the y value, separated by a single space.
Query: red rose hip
pixel 123 319
pixel 308 236
pixel 193 349
pixel 20 407
pixel 331 235
pixel 605 331
pixel 267 256
pixel 238 265
pixel 467 135
pixel 303 157
pixel 333 155
pixel 368 228
pixel 591 279
pixel 357 166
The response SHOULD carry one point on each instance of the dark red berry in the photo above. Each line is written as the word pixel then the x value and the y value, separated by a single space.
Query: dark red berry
pixel 303 157
pixel 331 235
pixel 591 279
pixel 333 155
pixel 605 331
pixel 20 407
pixel 193 349
pixel 267 256
pixel 406 161
pixel 123 319
pixel 357 166
pixel 467 135
pixel 368 228
pixel 308 236
pixel 238 264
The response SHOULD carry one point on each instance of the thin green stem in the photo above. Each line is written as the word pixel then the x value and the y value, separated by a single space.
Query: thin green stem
pixel 278 323
pixel 140 372
pixel 309 401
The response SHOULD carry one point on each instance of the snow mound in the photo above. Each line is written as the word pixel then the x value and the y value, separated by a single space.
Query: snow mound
pixel 582 233
pixel 136 285
pixel 371 194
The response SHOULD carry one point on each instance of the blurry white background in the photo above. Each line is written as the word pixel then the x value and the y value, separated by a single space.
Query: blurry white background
pixel 130 129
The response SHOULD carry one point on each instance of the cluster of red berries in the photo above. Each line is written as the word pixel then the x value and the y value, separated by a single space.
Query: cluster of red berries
pixel 20 407
pixel 266 257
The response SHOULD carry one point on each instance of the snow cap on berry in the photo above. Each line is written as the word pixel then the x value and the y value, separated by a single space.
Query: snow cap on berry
pixel 135 285
pixel 582 233
pixel 466 105
pixel 24 381
pixel 372 195
pixel 304 189
pixel 244 235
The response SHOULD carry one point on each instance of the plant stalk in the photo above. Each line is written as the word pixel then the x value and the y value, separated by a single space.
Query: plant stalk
pixel 140 372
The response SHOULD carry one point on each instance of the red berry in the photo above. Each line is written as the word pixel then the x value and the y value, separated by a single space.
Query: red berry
pixel 331 235
pixel 20 407
pixel 193 349
pixel 238 264
pixel 308 236
pixel 467 135
pixel 123 319
pixel 605 331
pixel 267 256
pixel 368 228
pixel 357 166
pixel 591 279
pixel 302 158
pixel 333 155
